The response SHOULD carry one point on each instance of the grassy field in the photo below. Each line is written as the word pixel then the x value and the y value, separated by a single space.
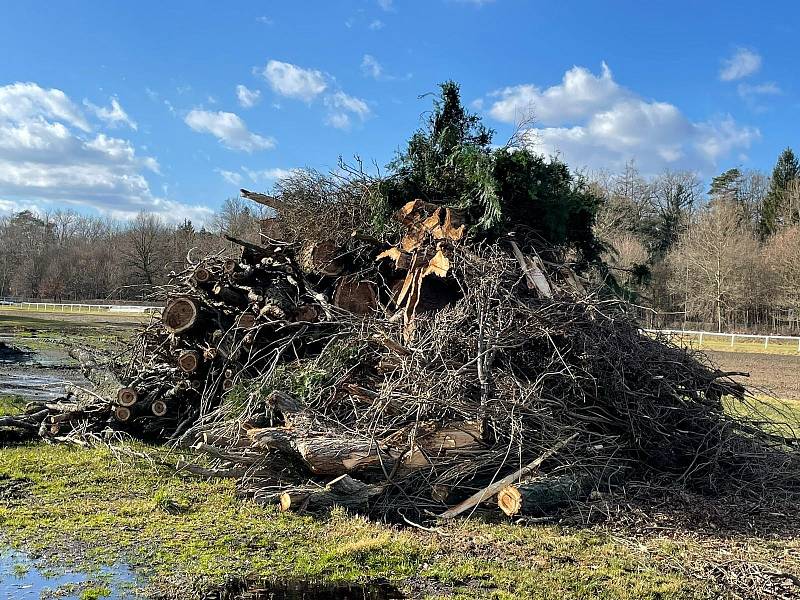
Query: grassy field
pixel 750 345
pixel 92 507
pixel 103 505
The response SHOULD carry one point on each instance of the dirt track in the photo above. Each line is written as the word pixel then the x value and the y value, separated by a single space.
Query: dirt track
pixel 779 374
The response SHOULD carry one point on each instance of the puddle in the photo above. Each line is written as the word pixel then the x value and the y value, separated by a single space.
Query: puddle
pixel 267 589
pixel 34 375
pixel 22 578
pixel 11 354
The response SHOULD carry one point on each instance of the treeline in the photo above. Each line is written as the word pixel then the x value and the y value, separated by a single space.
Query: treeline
pixel 726 258
pixel 67 256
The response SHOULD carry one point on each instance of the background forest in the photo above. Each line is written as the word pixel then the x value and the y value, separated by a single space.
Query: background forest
pixel 724 256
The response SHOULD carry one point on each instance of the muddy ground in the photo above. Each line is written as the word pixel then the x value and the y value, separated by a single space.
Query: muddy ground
pixel 775 374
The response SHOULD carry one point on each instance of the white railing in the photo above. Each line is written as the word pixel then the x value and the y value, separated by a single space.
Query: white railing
pixel 700 335
pixel 76 307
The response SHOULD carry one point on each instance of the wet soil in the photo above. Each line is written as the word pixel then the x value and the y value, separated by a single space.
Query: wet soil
pixel 776 374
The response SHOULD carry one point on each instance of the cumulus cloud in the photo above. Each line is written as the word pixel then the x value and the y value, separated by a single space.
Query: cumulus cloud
pixel 342 106
pixel 579 94
pixel 293 81
pixel 592 121
pixel 229 129
pixel 113 116
pixel 247 98
pixel 22 102
pixel 386 5
pixel 743 63
pixel 376 25
pixel 50 157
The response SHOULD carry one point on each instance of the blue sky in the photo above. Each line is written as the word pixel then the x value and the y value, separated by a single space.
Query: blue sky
pixel 171 106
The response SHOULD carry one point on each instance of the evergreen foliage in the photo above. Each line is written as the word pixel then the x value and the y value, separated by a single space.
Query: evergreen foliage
pixel 786 170
pixel 451 161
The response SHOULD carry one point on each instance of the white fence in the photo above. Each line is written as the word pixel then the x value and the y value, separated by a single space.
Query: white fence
pixel 732 337
pixel 81 308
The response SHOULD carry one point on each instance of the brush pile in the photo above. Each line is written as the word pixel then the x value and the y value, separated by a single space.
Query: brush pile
pixel 427 377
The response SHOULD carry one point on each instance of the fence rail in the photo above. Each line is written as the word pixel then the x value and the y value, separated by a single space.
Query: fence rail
pixel 701 335
pixel 76 307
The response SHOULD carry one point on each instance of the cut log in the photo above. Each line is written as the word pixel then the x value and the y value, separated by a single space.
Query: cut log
pixel 324 453
pixel 127 396
pixel 492 489
pixel 357 297
pixel 180 314
pixel 343 491
pixel 122 413
pixel 321 258
pixel 189 361
pixel 202 275
pixel 159 408
pixel 543 496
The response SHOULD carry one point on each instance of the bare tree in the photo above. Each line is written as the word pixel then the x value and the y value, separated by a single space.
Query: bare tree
pixel 715 262
pixel 144 248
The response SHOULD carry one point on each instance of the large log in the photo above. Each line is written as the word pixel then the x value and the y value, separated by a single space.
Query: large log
pixel 490 490
pixel 540 497
pixel 180 314
pixel 321 258
pixel 343 491
pixel 324 453
pixel 357 297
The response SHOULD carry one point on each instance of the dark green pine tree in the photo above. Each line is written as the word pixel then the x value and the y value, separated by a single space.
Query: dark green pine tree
pixel 726 185
pixel 786 169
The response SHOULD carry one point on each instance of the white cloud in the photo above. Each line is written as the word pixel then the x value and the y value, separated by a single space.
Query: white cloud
pixel 342 106
pixel 24 101
pixel 376 25
pixel 386 5
pixel 292 81
pixel 744 62
pixel 49 159
pixel 231 177
pixel 371 67
pixel 229 129
pixel 591 121
pixel 269 174
pixel 264 20
pixel 247 98
pixel 579 94
pixel 113 116
pixel 761 89
pixel 477 3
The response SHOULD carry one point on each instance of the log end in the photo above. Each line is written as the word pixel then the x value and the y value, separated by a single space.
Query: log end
pixel 509 500
pixel 180 314
pixel 127 396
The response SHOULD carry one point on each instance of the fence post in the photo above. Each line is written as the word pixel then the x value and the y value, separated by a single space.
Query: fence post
pixel 701 340
pixel 733 337
pixel 766 341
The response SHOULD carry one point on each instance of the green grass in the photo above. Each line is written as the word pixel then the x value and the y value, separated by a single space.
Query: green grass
pixel 749 345
pixel 11 405
pixel 773 414
pixel 168 527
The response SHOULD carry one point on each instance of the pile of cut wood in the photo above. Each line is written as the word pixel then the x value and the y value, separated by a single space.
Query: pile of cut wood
pixel 429 376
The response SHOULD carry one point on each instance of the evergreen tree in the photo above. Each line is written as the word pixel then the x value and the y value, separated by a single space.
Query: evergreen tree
pixel 451 161
pixel 726 185
pixel 786 170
